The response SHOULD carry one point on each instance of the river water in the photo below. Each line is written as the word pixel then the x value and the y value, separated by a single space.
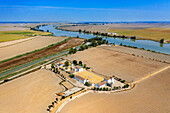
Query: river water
pixel 146 44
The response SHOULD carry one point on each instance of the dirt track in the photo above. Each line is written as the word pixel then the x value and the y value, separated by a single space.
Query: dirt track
pixel 31 93
pixel 52 50
pixel 149 96
pixel 108 62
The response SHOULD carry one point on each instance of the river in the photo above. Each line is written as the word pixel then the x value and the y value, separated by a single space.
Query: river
pixel 146 44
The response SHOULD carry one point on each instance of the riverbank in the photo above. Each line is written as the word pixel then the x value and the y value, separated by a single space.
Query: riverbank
pixel 112 36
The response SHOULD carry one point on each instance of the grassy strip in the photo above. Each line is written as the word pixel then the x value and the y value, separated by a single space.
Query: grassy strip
pixel 35 50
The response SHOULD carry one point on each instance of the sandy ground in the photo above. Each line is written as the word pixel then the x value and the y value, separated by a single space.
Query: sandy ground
pixel 27 46
pixel 145 54
pixel 108 62
pixel 31 93
pixel 149 96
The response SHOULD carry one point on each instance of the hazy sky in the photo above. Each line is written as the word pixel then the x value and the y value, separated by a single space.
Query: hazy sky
pixel 85 10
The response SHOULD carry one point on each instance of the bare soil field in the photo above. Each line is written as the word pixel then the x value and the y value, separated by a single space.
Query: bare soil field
pixel 27 46
pixel 149 96
pixel 143 53
pixel 31 93
pixel 4 44
pixel 108 62
pixel 93 28
pixel 45 52
pixel 149 33
pixel 11 28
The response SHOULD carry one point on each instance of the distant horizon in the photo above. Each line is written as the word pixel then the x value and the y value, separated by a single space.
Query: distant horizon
pixel 84 11
pixel 84 22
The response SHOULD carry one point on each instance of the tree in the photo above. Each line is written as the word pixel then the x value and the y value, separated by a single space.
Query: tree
pixel 52 66
pixel 87 84
pixel 126 86
pixel 94 88
pixel 120 44
pixel 72 51
pixel 71 76
pixel 63 97
pixel 84 66
pixel 53 103
pixel 47 30
pixel 122 81
pixel 75 62
pixel 162 41
pixel 49 106
pixel 66 63
pixel 70 97
pixel 48 109
pixel 80 63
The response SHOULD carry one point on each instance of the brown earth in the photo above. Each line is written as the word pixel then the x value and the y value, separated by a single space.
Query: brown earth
pixel 146 54
pixel 149 96
pixel 31 93
pixel 109 62
pixel 52 50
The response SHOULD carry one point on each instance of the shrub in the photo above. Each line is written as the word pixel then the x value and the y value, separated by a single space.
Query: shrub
pixel 122 81
pixel 71 76
pixel 126 86
pixel 87 84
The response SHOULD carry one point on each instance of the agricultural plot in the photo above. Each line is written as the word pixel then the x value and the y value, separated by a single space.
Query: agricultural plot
pixel 20 34
pixel 31 93
pixel 27 46
pixel 149 96
pixel 148 33
pixel 109 62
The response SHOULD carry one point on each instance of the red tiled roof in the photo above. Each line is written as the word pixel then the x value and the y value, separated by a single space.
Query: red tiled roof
pixel 108 78
pixel 79 77
pixel 102 83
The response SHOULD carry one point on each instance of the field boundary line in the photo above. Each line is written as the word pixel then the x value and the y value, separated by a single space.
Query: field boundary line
pixel 154 73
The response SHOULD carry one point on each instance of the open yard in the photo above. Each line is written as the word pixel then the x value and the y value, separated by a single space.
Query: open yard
pixel 31 93
pixel 27 46
pixel 149 96
pixel 109 62
pixel 67 85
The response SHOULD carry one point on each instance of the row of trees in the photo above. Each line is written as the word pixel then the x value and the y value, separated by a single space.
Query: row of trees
pixel 93 43
pixel 102 89
pixel 52 105
pixel 105 34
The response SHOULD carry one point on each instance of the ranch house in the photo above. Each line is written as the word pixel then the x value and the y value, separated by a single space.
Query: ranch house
pixel 81 79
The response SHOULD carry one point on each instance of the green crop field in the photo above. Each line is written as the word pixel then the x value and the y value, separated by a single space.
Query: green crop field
pixel 14 35
pixel 149 33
